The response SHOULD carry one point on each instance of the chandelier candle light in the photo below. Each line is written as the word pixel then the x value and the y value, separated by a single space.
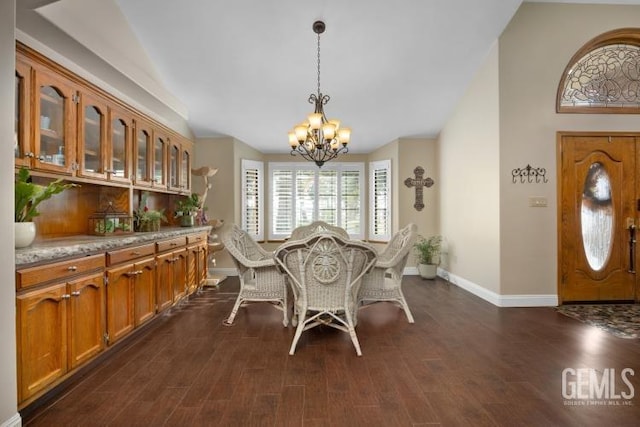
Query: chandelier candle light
pixel 318 139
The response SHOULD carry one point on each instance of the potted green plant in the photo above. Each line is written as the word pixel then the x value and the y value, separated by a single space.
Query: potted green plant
pixel 28 196
pixel 145 219
pixel 428 254
pixel 187 209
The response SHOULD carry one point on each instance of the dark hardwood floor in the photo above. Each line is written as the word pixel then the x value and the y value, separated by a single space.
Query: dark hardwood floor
pixel 464 362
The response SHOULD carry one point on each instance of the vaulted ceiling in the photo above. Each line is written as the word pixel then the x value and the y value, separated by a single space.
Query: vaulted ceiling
pixel 245 68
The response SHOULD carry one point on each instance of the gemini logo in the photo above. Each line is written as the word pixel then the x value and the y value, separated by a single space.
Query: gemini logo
pixel 587 386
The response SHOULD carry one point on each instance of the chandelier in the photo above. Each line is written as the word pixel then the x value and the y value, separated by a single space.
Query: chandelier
pixel 318 139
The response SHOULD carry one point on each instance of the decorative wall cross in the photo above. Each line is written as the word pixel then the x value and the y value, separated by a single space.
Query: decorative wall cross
pixel 418 182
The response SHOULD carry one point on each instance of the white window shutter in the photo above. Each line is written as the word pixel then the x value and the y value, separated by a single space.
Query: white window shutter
pixel 380 200
pixel 252 198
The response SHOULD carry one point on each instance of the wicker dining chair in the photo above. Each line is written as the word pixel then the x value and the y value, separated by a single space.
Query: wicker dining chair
pixel 317 227
pixel 260 279
pixel 384 281
pixel 325 272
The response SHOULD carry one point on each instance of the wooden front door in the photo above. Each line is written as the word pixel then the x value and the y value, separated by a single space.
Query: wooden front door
pixel 598 209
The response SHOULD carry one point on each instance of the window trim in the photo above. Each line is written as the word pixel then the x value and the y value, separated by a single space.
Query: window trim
pixel 297 166
pixel 247 164
pixel 373 167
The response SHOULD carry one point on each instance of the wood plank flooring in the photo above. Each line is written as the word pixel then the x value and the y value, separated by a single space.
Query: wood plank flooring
pixel 464 362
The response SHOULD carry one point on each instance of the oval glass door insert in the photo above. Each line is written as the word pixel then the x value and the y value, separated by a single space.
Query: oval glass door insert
pixel 597 216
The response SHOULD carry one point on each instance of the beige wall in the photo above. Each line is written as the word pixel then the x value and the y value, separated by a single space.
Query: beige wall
pixel 534 50
pixel 417 152
pixel 469 182
pixel 224 200
pixel 8 385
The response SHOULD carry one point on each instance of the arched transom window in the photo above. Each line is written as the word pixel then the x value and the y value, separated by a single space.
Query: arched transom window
pixel 603 76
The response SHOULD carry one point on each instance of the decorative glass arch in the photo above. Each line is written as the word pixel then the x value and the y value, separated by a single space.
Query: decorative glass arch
pixel 603 76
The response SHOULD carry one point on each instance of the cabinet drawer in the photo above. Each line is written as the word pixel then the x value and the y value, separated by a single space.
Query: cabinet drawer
pixel 58 270
pixel 128 254
pixel 167 245
pixel 196 238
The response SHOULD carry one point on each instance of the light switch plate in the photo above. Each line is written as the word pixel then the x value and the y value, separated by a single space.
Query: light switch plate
pixel 537 202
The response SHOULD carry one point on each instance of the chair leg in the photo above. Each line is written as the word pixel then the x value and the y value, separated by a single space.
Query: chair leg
pixel 405 307
pixel 232 316
pixel 354 339
pixel 285 309
pixel 296 337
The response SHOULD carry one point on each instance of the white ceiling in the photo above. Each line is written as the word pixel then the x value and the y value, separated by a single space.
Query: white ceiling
pixel 245 68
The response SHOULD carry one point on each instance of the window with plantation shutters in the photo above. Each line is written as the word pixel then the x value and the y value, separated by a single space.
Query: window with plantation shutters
pixel 252 198
pixel 301 193
pixel 380 200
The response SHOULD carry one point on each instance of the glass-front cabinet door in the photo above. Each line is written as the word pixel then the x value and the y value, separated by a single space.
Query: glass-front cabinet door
pixel 185 175
pixel 159 163
pixel 142 154
pixel 22 147
pixel 174 165
pixel 92 136
pixel 54 112
pixel 119 146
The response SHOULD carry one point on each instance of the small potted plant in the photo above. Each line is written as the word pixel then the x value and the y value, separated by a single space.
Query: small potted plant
pixel 428 253
pixel 28 196
pixel 187 209
pixel 145 219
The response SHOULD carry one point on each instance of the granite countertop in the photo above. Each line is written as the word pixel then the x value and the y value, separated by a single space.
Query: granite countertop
pixel 63 247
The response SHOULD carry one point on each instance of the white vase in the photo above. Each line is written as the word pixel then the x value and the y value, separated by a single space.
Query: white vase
pixel 25 233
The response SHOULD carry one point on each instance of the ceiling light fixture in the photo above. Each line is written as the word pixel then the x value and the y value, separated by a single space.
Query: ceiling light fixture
pixel 318 139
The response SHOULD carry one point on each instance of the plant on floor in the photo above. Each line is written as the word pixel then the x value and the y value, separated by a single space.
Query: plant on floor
pixel 428 253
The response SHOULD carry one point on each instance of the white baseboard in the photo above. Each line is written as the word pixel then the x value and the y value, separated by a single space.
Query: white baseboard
pixel 490 296
pixel 14 421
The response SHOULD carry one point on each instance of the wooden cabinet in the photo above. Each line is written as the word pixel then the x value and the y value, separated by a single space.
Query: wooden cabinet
pixel 60 325
pixel 119 145
pixel 92 136
pixel 171 278
pixel 196 266
pixel 175 165
pixel 142 153
pixel 131 297
pixel 42 351
pixel 180 165
pixel 85 308
pixel 53 119
pixel 159 160
pixel 22 144
pixel 86 325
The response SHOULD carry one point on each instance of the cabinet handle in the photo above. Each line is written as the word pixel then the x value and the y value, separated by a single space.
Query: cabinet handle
pixel 72 268
pixel 65 296
pixel 135 253
pixel 75 293
pixel 29 154
pixel 174 259
pixel 173 244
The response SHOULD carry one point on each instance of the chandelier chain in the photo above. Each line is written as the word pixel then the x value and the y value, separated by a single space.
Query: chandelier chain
pixel 318 64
